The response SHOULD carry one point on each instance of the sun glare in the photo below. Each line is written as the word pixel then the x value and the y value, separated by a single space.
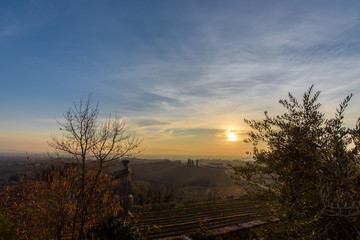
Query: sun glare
pixel 231 136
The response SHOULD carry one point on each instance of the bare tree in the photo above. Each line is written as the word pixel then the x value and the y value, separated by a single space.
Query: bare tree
pixel 92 146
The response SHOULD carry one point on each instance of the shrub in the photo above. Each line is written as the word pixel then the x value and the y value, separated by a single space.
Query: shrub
pixel 114 228
pixel 6 228
pixel 306 171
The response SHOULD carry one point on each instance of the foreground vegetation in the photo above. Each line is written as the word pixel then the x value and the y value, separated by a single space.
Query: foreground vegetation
pixel 306 170
pixel 75 199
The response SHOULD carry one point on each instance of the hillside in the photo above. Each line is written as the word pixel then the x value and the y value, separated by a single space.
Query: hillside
pixel 166 181
pixel 176 174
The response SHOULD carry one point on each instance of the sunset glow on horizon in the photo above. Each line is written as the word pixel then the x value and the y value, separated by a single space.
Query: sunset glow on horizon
pixel 183 74
pixel 231 136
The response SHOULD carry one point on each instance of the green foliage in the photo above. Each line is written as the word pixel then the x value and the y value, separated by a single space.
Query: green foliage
pixel 114 228
pixel 6 228
pixel 308 174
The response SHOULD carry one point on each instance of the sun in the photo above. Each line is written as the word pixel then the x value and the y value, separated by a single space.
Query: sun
pixel 231 136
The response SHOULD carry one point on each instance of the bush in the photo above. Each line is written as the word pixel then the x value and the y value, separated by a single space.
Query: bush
pixel 306 171
pixel 14 177
pixel 114 228
pixel 6 228
pixel 47 209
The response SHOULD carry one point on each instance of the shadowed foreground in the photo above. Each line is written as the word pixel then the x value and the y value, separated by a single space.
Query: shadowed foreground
pixel 196 218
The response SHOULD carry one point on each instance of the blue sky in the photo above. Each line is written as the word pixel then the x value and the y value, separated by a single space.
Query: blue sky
pixel 181 73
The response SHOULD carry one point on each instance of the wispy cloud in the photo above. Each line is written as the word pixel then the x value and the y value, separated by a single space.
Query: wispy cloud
pixel 148 122
pixel 251 70
pixel 180 71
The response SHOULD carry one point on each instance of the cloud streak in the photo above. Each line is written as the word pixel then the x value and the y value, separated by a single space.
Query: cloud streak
pixel 194 69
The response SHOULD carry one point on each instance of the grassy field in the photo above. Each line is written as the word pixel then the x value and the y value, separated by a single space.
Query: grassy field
pixel 195 218
pixel 204 198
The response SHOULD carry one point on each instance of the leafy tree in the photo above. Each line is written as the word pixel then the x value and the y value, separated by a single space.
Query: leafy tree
pixel 305 171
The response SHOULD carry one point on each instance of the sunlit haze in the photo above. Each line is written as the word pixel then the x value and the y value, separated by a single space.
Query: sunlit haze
pixel 231 135
pixel 183 74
